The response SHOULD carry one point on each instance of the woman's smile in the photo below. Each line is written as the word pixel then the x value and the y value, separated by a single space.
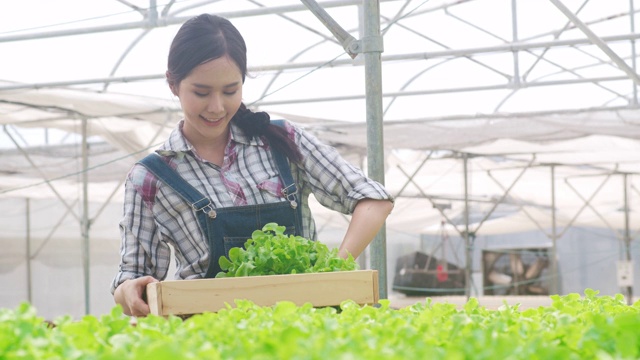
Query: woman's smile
pixel 212 121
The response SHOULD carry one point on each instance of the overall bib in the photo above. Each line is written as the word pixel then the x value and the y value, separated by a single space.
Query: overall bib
pixel 230 227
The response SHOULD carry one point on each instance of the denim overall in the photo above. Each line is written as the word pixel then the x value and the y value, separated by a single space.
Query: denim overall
pixel 231 226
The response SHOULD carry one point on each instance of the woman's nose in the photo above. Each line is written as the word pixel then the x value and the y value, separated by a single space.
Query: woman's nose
pixel 215 104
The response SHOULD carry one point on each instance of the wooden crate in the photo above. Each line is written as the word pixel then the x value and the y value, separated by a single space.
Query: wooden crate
pixel 186 297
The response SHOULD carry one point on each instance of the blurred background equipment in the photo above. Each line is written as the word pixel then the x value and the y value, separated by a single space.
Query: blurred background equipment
pixel 515 271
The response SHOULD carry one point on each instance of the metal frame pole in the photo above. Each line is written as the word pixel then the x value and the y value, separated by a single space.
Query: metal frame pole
pixel 555 277
pixel 467 238
pixel 84 223
pixel 627 235
pixel 372 49
pixel 28 257
pixel 371 46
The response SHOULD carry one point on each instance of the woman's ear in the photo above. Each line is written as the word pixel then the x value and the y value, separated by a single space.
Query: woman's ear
pixel 172 85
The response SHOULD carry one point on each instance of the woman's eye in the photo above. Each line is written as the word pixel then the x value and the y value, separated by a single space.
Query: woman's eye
pixel 200 94
pixel 230 92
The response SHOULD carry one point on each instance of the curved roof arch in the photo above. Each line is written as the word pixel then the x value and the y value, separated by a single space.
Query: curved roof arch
pixel 511 56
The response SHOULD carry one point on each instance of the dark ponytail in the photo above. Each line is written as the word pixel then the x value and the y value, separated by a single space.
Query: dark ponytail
pixel 259 124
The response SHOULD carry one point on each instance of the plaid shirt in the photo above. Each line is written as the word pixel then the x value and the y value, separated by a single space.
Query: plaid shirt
pixel 156 218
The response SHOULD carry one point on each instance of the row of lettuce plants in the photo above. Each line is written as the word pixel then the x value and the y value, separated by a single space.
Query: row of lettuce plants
pixel 574 326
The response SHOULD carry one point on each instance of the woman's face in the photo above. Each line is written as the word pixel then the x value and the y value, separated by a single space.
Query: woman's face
pixel 209 97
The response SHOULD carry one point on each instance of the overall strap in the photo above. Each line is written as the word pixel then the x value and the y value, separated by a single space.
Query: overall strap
pixel 197 201
pixel 290 189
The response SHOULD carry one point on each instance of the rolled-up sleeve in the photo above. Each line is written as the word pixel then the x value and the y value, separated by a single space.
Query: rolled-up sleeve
pixel 336 183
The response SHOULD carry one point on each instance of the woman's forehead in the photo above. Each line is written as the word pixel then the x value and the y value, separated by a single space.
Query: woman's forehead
pixel 221 72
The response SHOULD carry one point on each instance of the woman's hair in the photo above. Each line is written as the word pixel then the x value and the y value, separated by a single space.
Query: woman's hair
pixel 208 37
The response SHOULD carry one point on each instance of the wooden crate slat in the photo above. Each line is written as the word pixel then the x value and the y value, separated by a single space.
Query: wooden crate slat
pixel 180 297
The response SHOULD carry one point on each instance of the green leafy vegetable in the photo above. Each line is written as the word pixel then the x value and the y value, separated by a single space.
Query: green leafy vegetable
pixel 271 252
pixel 573 327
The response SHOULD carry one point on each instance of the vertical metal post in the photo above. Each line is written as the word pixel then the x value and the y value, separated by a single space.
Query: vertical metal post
pixel 554 235
pixel 627 236
pixel 371 47
pixel 84 223
pixel 28 257
pixel 467 239
pixel 375 141
pixel 632 18
pixel 515 39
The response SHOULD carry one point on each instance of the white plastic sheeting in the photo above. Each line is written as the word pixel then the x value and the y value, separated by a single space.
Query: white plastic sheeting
pixel 604 143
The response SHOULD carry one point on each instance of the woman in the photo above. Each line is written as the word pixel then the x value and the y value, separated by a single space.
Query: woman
pixel 225 171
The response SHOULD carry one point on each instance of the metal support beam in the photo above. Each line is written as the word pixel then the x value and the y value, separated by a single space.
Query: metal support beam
pixel 444 54
pixel 154 21
pixel 627 237
pixel 344 38
pixel 467 236
pixel 375 140
pixel 84 223
pixel 587 201
pixel 632 18
pixel 597 41
pixel 28 257
pixel 555 277
pixel 40 172
pixel 371 47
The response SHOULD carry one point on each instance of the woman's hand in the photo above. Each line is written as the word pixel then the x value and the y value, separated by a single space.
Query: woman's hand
pixel 130 294
pixel 367 219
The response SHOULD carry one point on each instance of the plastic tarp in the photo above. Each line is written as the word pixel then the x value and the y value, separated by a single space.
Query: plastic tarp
pixel 498 150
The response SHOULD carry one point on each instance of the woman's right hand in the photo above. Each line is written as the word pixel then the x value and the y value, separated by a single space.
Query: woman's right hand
pixel 130 294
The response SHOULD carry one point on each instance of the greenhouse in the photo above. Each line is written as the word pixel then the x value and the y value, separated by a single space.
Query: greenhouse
pixel 508 132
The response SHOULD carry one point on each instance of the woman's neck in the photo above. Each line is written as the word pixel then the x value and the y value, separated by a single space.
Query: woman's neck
pixel 210 149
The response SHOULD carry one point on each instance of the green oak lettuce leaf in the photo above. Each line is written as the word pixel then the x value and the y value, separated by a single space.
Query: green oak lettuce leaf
pixel 271 252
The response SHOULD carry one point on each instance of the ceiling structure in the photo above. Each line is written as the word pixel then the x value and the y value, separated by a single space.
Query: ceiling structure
pixel 442 59
pixel 502 78
pixel 455 74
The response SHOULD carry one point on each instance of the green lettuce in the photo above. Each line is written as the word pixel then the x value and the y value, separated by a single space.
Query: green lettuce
pixel 572 327
pixel 271 252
